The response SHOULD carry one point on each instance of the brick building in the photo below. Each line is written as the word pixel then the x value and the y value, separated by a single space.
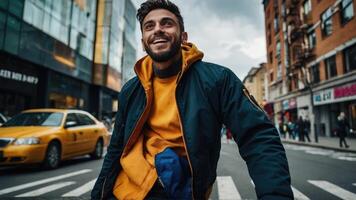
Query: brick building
pixel 311 53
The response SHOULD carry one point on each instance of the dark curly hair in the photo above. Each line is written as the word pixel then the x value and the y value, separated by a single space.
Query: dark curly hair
pixel 150 5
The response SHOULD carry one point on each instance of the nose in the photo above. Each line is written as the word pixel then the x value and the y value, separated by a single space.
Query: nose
pixel 158 28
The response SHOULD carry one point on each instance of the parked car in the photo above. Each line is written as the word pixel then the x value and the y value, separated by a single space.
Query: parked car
pixel 48 136
pixel 2 119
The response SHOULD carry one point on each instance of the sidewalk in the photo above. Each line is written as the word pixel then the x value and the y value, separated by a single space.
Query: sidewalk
pixel 326 143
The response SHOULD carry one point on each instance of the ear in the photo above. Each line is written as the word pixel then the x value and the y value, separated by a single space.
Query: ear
pixel 143 46
pixel 184 37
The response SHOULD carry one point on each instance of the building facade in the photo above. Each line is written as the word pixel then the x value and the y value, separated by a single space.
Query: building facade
pixel 311 51
pixel 48 56
pixel 255 83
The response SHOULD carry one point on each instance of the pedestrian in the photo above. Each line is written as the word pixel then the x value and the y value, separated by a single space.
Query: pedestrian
pixel 307 129
pixel 228 135
pixel 166 139
pixel 301 129
pixel 342 128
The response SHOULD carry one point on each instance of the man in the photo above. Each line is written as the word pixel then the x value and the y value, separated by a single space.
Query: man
pixel 342 128
pixel 166 139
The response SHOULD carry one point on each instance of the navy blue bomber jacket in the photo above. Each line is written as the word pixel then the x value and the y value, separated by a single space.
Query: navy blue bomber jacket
pixel 207 96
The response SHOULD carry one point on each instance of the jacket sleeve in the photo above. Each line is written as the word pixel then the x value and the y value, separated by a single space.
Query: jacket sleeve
pixel 257 138
pixel 112 156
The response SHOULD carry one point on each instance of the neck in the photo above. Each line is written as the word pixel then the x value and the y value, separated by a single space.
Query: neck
pixel 169 63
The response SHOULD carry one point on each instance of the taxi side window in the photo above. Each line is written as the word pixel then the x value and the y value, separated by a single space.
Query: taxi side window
pixel 72 118
pixel 84 120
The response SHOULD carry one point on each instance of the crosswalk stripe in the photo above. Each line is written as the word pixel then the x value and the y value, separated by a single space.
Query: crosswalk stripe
pixel 81 190
pixel 334 189
pixel 227 189
pixel 35 183
pixel 46 189
pixel 298 195
pixel 354 184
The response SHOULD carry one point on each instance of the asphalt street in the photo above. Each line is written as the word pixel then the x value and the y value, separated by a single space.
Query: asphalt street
pixel 316 174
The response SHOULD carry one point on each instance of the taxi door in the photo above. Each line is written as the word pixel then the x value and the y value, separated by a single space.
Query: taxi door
pixel 71 145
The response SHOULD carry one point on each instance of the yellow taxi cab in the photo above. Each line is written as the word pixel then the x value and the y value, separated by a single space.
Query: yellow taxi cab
pixel 48 136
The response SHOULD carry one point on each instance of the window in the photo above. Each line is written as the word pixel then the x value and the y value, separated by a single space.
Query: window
pixel 330 67
pixel 278 49
pixel 269 39
pixel 271 76
pixel 271 57
pixel 72 118
pixel 3 4
pixel 312 39
pixel 276 23
pixel 84 119
pixel 279 71
pixel 350 58
pixel 12 35
pixel 315 74
pixel 283 9
pixel 307 7
pixel 2 28
pixel 326 22
pixel 347 11
pixel 15 7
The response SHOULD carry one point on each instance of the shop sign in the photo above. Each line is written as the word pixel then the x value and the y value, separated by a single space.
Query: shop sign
pixel 323 97
pixel 292 103
pixel 346 92
pixel 285 104
pixel 16 76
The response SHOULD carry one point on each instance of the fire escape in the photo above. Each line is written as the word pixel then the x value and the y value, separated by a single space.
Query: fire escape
pixel 300 52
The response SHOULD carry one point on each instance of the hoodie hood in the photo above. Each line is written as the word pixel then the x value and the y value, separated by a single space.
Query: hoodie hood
pixel 144 68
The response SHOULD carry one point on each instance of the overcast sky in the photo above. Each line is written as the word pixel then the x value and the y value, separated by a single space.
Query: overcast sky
pixel 229 32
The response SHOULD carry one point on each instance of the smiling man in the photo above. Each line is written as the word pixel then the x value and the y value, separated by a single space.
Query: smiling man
pixel 166 139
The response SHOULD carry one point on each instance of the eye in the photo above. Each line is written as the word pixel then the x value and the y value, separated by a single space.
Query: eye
pixel 148 26
pixel 167 23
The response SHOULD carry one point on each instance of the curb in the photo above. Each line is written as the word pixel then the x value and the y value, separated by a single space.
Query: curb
pixel 318 145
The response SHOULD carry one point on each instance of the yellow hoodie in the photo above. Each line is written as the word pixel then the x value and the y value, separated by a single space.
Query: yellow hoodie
pixel 162 128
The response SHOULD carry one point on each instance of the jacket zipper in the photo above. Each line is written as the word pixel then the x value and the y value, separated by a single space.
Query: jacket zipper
pixel 102 189
pixel 160 181
pixel 185 145
pixel 148 103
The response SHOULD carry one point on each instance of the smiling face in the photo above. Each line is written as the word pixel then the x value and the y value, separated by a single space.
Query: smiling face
pixel 161 35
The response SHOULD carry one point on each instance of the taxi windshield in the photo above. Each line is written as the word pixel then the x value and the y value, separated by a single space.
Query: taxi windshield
pixel 35 119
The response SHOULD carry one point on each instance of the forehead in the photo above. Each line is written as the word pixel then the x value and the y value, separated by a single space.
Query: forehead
pixel 158 14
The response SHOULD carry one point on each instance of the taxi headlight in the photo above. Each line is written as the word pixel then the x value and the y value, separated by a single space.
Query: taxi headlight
pixel 27 141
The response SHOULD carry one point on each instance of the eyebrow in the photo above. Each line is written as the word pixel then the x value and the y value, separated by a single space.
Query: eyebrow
pixel 163 19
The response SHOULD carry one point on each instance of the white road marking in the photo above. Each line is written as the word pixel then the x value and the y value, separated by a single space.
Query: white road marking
pixel 227 189
pixel 298 195
pixel 334 189
pixel 35 183
pixel 46 189
pixel 80 190
pixel 354 184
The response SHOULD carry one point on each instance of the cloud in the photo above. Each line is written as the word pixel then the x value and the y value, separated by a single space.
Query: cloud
pixel 229 32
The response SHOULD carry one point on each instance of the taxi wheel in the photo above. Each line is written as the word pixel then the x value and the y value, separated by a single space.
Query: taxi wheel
pixel 53 156
pixel 98 151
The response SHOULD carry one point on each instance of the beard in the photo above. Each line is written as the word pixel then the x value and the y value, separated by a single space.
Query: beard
pixel 164 56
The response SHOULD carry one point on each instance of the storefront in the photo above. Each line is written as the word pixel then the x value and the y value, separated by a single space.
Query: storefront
pixel 330 102
pixel 20 85
pixel 290 112
pixel 66 92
